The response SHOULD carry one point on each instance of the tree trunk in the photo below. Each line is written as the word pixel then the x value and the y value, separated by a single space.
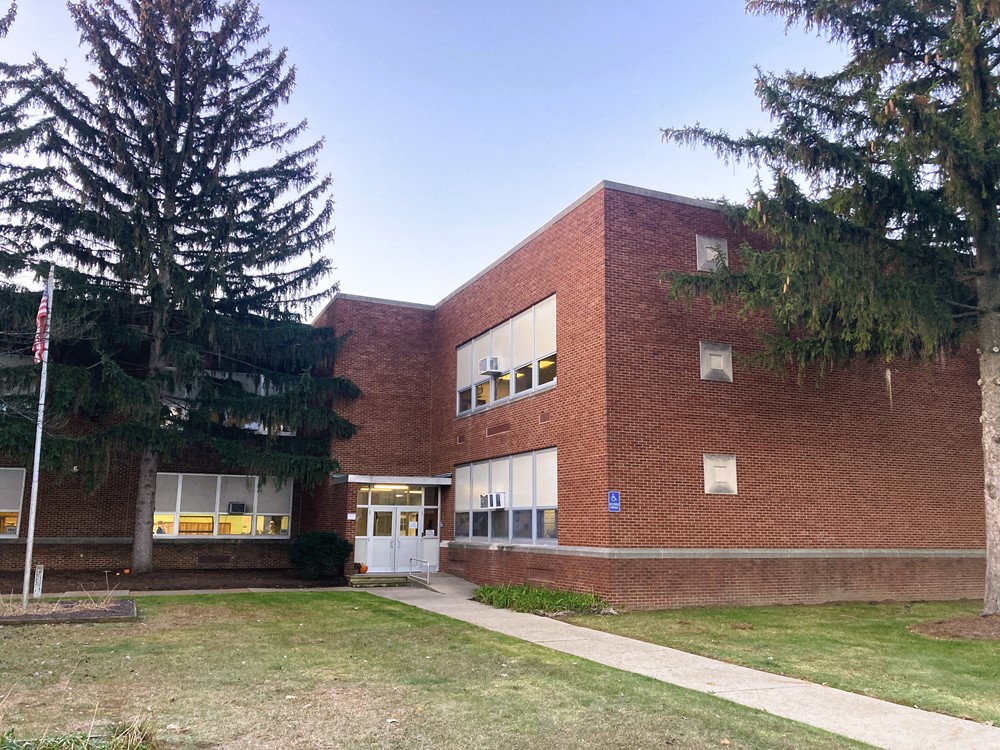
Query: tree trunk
pixel 988 289
pixel 142 534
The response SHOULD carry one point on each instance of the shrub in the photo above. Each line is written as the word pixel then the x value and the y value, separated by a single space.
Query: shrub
pixel 536 599
pixel 319 554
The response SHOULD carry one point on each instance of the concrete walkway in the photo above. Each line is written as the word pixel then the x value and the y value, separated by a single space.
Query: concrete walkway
pixel 879 723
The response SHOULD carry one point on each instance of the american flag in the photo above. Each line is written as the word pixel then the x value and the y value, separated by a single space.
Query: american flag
pixel 41 321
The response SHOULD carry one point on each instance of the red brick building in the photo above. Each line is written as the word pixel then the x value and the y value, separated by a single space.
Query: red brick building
pixel 655 469
pixel 556 420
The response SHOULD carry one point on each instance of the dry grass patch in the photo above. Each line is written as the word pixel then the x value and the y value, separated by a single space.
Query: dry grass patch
pixel 349 670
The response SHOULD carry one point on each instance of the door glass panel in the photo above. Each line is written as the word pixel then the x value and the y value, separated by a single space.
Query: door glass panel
pixel 383 523
pixel 409 523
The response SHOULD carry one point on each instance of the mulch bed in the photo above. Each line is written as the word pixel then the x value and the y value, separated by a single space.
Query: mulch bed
pixel 971 628
pixel 95 581
pixel 114 610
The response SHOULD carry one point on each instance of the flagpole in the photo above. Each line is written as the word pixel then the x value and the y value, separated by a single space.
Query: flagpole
pixel 49 287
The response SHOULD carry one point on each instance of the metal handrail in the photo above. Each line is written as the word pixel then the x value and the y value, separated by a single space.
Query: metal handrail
pixel 424 564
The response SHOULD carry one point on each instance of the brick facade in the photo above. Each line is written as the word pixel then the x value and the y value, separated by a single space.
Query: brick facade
pixel 866 484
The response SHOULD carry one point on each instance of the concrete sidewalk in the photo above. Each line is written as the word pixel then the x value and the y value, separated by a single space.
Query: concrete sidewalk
pixel 879 723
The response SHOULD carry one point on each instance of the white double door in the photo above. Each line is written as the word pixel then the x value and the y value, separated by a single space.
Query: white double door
pixel 393 537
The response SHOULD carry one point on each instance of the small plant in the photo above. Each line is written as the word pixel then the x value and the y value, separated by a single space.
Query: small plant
pixel 319 554
pixel 136 735
pixel 523 598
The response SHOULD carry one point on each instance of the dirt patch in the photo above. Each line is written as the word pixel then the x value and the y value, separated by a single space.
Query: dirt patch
pixel 971 628
pixel 99 582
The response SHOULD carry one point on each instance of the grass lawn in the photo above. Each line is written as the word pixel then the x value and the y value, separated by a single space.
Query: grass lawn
pixel 864 648
pixel 350 670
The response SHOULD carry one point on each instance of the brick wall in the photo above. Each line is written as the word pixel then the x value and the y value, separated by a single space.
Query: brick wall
pixel 820 465
pixel 389 356
pixel 664 583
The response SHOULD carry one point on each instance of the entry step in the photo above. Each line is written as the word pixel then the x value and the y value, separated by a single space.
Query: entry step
pixel 375 580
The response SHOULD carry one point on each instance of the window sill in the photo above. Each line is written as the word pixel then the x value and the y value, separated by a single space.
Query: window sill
pixel 508 546
pixel 164 539
pixel 512 399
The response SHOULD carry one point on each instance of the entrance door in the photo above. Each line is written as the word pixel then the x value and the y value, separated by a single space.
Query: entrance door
pixel 394 537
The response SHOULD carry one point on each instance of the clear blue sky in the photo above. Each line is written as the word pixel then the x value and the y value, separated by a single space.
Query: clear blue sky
pixel 455 128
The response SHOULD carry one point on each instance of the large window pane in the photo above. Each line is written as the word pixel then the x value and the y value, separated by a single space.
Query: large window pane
pixel 481 349
pixel 500 476
pixel 200 525
pixel 274 500
pixel 482 391
pixel 501 386
pixel 547 524
pixel 521 492
pixel 523 345
pixel 8 523
pixel 163 523
pixel 237 491
pixel 547 369
pixel 463 365
pixel 546 482
pixel 165 500
pixel 415 496
pixel 272 525
pixel 461 525
pixel 235 525
pixel 498 523
pixel 432 496
pixel 545 327
pixel 480 483
pixel 481 524
pixel 522 524
pixel 464 400
pixel 463 488
pixel 523 379
pixel 198 493
pixel 501 345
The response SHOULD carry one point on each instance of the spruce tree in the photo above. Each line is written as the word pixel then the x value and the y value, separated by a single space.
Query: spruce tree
pixel 883 203
pixel 190 228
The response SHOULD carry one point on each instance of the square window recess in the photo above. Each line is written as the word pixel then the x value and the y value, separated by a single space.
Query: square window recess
pixel 720 474
pixel 716 361
pixel 709 251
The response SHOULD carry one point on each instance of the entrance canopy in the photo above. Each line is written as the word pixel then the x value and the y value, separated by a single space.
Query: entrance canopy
pixel 438 481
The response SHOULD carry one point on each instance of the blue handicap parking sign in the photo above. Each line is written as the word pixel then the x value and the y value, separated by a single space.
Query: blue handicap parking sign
pixel 614 502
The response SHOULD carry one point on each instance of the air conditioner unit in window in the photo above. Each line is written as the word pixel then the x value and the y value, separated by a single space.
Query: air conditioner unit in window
pixel 489 366
pixel 237 509
pixel 493 500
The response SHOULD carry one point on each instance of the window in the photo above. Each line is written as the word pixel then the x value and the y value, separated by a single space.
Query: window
pixel 524 350
pixel 399 494
pixel 720 474
pixel 216 505
pixel 716 361
pixel 528 485
pixel 709 251
pixel 11 497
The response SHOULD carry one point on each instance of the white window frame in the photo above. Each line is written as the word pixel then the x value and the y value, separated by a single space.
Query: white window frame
pixel 14 503
pixel 466 355
pixel 506 485
pixel 254 511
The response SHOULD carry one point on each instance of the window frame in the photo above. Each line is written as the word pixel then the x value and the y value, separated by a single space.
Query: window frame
pixel 14 510
pixel 465 519
pixel 498 341
pixel 260 521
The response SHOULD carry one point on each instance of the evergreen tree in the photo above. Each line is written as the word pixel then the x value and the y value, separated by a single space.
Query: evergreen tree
pixel 190 229
pixel 884 211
